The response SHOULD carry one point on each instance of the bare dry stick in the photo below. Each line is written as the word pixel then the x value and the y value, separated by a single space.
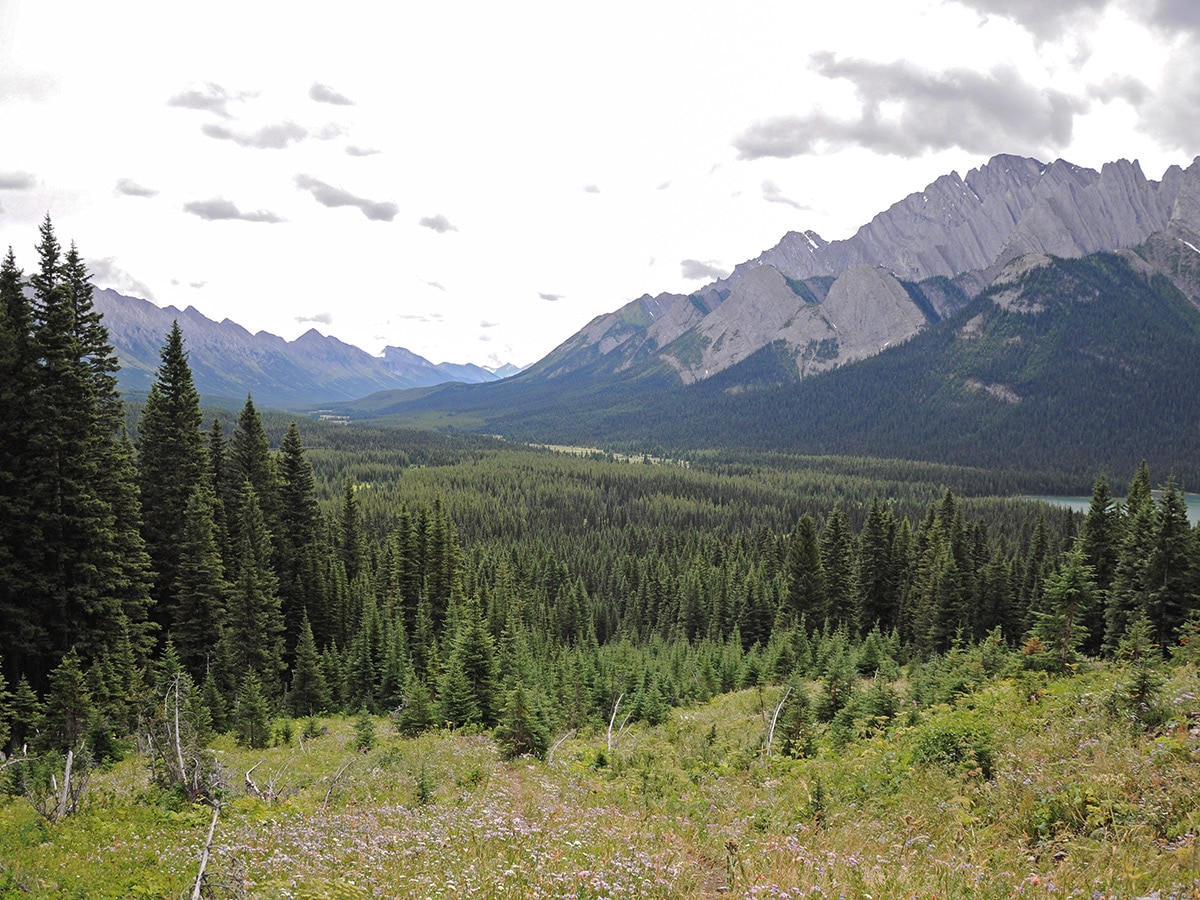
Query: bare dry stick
pixel 557 744
pixel 612 719
pixel 178 745
pixel 774 719
pixel 250 781
pixel 336 778
pixel 204 854
pixel 66 788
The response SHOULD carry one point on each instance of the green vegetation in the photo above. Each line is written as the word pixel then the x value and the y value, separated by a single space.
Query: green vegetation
pixel 521 671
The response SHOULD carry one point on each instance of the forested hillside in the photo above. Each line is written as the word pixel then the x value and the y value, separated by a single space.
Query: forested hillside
pixel 1064 369
pixel 210 575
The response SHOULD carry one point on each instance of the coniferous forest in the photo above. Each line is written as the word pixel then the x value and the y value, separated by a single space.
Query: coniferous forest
pixel 175 579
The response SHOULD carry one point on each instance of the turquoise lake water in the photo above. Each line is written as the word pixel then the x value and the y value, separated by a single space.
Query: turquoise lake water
pixel 1081 504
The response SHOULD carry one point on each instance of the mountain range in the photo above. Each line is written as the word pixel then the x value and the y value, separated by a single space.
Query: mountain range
pixel 228 362
pixel 1029 315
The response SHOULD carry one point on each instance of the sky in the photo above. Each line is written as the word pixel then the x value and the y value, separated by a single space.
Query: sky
pixel 476 181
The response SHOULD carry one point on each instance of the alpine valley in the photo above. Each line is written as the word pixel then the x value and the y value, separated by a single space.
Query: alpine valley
pixel 1033 316
pixel 1036 316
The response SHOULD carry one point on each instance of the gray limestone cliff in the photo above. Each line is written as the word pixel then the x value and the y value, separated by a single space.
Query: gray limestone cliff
pixel 832 302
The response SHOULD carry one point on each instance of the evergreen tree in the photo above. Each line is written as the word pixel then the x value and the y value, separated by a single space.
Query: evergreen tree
pixel 876 580
pixel 255 623
pixel 1101 545
pixel 309 693
pixel 171 464
pixel 24 634
pixel 252 715
pixel 524 727
pixel 295 544
pixel 805 574
pixel 6 712
pixel 69 711
pixel 201 591
pixel 1132 580
pixel 837 562
pixel 418 713
pixel 88 569
pixel 1059 628
pixel 350 545
pixel 249 459
pixel 26 715
pixel 1171 578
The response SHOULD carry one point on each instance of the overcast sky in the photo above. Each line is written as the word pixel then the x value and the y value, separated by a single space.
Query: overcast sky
pixel 475 181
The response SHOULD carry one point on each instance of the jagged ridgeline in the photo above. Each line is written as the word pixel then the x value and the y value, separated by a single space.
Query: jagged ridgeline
pixel 983 321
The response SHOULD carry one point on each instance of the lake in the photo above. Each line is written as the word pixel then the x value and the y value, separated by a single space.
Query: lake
pixel 1081 504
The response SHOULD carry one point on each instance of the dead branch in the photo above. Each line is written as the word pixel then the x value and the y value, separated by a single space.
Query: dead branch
pixel 774 719
pixel 204 854
pixel 333 782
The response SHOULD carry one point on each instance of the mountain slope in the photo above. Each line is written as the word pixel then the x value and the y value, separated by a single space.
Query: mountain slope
pixel 1066 366
pixel 939 247
pixel 228 361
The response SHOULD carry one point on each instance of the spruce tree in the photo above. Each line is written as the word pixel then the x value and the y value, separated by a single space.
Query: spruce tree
pixel 837 562
pixel 805 575
pixel 1059 624
pixel 524 727
pixel 1101 538
pixel 69 710
pixel 254 621
pixel 171 463
pixel 309 692
pixel 252 715
pixel 249 460
pixel 1171 575
pixel 200 591
pixel 89 568
pixel 295 542
pixel 20 550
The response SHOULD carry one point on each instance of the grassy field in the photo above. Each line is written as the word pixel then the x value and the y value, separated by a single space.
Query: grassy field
pixel 1024 787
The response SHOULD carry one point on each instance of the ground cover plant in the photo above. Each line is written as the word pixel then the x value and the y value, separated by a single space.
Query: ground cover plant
pixel 1075 798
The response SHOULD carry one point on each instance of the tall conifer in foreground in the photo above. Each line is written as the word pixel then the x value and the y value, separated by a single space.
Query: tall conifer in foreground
pixel 171 462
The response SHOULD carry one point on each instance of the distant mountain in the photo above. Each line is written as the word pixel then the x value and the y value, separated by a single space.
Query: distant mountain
pixel 1056 354
pixel 227 361
pixel 924 258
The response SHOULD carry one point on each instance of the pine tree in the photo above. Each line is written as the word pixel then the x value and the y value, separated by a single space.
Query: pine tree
pixel 255 623
pixel 24 633
pixel 1059 628
pixel 295 542
pixel 309 692
pixel 524 727
pixel 68 712
pixel 201 591
pixel 171 463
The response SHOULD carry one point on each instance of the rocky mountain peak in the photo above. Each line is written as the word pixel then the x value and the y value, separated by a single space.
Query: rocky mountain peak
pixel 919 260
